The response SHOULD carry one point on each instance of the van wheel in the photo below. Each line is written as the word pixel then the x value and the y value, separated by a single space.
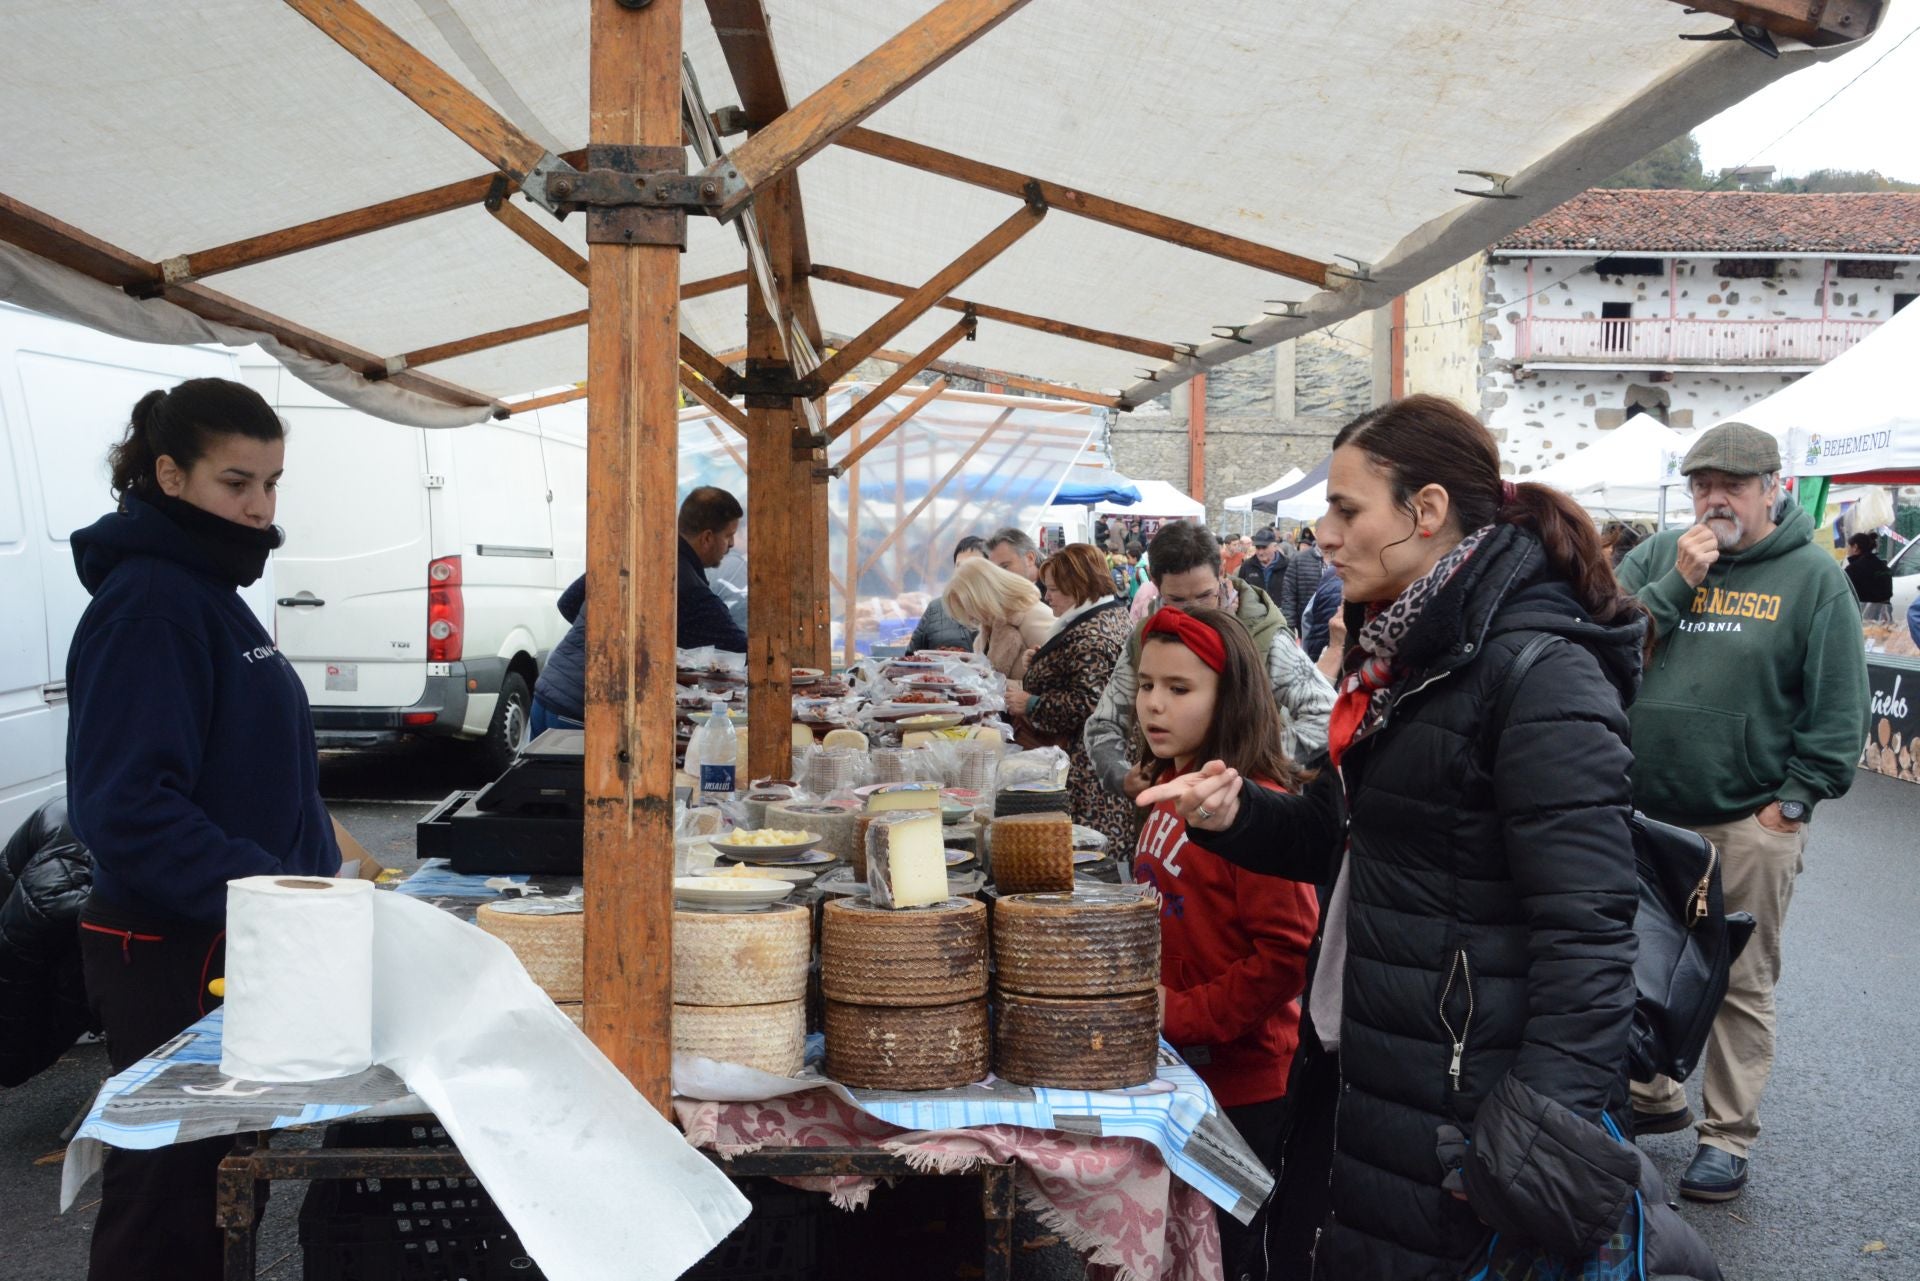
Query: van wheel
pixel 508 732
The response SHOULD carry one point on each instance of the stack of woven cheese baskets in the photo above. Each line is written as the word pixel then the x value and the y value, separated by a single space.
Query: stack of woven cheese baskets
pixel 550 940
pixel 905 994
pixel 1076 980
pixel 740 986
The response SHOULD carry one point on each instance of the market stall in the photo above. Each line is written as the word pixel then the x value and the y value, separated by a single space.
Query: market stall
pixel 383 196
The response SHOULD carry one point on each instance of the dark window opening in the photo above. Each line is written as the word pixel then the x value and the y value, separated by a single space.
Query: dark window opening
pixel 1869 269
pixel 1615 330
pixel 1901 300
pixel 1748 268
pixel 1630 267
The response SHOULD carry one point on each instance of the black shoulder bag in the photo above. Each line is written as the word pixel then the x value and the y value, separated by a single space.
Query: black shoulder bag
pixel 1687 941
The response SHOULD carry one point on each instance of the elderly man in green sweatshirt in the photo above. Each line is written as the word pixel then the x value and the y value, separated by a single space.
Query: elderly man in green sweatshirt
pixel 1752 710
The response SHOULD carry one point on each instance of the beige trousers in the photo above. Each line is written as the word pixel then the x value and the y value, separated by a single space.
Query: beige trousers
pixel 1757 868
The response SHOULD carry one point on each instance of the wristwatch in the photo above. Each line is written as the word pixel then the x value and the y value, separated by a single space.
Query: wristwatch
pixel 1793 811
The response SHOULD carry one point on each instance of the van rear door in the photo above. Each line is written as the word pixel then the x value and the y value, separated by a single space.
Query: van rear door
pixel 351 581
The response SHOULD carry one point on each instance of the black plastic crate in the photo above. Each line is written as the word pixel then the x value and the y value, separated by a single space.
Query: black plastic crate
pixel 405 1229
pixel 780 1240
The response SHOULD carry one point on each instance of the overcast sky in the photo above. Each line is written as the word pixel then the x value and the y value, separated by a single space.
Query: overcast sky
pixel 1870 126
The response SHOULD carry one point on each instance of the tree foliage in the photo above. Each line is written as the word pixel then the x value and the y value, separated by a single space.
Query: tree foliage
pixel 1676 167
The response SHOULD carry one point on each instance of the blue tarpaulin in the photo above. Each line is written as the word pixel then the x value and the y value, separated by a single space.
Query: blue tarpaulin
pixel 1085 486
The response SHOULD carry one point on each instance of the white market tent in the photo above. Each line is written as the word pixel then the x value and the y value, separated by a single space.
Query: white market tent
pixel 1129 193
pixel 1158 500
pixel 1623 473
pixel 1244 502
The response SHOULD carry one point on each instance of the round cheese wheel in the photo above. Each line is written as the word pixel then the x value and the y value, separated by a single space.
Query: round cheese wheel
pixel 742 958
pixel 551 945
pixel 1088 943
pixel 1077 1043
pixel 919 956
pixel 926 1047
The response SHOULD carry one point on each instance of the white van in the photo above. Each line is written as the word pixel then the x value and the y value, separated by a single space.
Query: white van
pixel 65 395
pixel 415 592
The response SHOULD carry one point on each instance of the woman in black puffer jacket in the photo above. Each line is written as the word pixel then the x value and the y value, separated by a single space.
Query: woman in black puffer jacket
pixel 1476 955
pixel 45 874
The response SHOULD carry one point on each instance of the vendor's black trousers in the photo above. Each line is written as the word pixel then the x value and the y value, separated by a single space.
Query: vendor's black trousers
pixel 147 981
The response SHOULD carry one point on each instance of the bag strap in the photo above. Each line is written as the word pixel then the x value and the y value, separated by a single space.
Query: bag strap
pixel 1510 689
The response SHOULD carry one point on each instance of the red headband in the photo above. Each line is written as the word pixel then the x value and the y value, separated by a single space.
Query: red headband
pixel 1191 632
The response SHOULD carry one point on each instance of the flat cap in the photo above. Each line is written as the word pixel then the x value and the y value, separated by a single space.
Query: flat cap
pixel 1263 538
pixel 1734 448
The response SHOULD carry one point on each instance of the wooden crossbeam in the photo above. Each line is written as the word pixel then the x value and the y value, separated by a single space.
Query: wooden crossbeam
pixel 428 86
pixel 709 367
pixel 746 41
pixel 933 492
pixel 921 300
pixel 42 234
pixel 1814 21
pixel 855 94
pixel 496 338
pixel 1061 328
pixel 337 227
pixel 710 396
pixel 927 394
pixel 713 285
pixel 1097 208
pixel 543 402
pixel 898 378
pixel 980 375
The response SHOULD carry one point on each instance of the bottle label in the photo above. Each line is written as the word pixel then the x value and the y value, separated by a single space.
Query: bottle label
pixel 716 778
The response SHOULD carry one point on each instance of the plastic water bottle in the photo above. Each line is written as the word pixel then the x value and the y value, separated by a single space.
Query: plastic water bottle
pixel 717 751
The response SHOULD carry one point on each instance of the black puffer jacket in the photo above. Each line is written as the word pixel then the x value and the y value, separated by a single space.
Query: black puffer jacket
pixel 43 999
pixel 1498 905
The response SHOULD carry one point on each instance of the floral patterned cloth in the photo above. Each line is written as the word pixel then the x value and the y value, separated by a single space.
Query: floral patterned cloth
pixel 1112 1199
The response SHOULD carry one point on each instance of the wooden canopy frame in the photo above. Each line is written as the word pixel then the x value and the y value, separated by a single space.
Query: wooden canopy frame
pixel 638 361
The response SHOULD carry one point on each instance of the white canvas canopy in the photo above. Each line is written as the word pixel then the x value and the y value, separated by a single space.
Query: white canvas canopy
pixel 1220 179
pixel 1244 502
pixel 1159 500
pixel 1623 473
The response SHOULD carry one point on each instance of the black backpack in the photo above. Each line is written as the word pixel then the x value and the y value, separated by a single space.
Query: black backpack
pixel 1687 942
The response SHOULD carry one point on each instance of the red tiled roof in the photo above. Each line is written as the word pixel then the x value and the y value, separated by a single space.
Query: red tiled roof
pixel 1727 222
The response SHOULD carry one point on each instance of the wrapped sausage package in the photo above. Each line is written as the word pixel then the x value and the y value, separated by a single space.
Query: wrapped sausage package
pixel 327 977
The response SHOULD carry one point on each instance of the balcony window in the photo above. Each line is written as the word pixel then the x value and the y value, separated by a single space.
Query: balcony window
pixel 1614 330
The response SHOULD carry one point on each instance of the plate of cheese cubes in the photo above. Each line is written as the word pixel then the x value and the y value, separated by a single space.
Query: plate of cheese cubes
pixel 767 845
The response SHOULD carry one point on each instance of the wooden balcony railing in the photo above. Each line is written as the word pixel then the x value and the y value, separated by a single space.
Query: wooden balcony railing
pixel 1689 342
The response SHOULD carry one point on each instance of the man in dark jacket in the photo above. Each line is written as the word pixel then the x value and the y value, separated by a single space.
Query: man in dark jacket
pixel 1267 567
pixel 709 518
pixel 1302 579
pixel 1753 712
pixel 1316 621
pixel 560 695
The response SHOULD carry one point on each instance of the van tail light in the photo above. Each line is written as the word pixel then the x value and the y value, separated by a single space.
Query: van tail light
pixel 446 610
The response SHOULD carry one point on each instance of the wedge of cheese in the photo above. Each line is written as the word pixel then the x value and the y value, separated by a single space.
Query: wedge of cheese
pixel 903 796
pixel 845 738
pixel 802 737
pixel 906 859
pixel 918 738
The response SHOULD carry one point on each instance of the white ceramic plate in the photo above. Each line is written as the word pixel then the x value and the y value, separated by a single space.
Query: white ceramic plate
pixel 808 858
pixel 762 853
pixel 928 721
pixel 704 891
pixel 797 876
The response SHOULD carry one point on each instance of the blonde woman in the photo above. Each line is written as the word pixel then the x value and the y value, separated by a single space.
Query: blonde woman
pixel 1004 609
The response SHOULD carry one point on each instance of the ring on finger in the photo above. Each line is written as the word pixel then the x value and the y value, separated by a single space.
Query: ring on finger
pixel 1203 812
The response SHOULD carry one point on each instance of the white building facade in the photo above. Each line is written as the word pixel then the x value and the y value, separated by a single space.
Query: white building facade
pixel 1684 305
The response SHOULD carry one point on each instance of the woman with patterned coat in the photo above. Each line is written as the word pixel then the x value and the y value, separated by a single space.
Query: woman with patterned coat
pixel 1066 675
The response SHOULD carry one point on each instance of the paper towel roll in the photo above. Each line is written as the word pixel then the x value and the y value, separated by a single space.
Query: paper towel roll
pixel 299 1004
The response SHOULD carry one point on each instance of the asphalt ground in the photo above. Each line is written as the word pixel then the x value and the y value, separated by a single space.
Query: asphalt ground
pixel 1835 1190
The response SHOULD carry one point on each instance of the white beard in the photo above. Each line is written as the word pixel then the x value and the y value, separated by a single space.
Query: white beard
pixel 1727 529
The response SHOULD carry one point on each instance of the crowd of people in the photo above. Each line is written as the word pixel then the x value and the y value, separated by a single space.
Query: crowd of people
pixel 1397 881
pixel 1398 898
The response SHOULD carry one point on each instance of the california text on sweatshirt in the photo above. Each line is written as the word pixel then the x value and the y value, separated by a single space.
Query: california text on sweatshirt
pixel 1757 690
pixel 190 751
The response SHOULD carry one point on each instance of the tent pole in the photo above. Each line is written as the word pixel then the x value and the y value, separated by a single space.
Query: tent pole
pixel 773 496
pixel 852 584
pixel 632 446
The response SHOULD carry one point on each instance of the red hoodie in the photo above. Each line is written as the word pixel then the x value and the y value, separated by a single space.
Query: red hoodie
pixel 1233 958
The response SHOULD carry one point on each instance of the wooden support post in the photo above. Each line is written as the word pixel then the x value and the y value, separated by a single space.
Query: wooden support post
pixel 927 394
pixel 857 93
pixel 894 381
pixel 772 539
pixel 921 300
pixel 852 597
pixel 1096 208
pixel 1197 439
pixel 1040 324
pixel 633 449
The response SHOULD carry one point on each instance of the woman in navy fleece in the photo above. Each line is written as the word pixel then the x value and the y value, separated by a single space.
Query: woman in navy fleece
pixel 190 761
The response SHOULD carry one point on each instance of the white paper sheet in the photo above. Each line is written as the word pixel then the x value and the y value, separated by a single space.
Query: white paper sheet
pixel 597 1184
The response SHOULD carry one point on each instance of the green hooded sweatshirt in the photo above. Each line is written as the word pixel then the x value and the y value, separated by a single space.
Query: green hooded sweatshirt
pixel 1757 690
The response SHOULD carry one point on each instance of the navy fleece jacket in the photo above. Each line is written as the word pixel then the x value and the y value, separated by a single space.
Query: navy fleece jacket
pixel 190 753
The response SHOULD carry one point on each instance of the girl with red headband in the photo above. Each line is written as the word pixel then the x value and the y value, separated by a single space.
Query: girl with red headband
pixel 1234 943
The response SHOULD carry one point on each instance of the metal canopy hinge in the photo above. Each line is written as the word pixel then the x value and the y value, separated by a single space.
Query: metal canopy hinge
pixel 1497 185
